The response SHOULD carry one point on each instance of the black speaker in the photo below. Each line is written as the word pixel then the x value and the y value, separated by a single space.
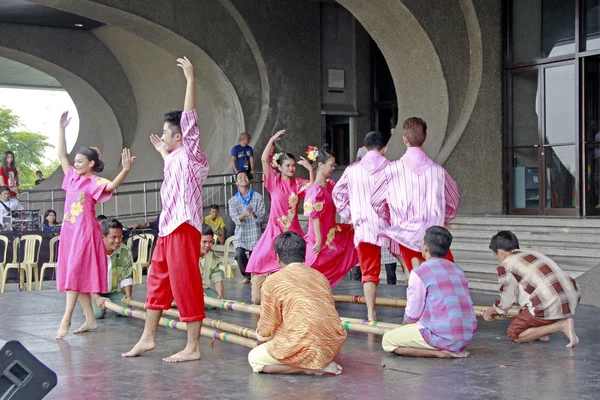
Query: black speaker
pixel 22 376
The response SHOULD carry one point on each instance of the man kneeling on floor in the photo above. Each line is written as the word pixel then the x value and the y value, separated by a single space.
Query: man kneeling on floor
pixel 210 266
pixel 438 320
pixel 548 294
pixel 298 319
pixel 120 268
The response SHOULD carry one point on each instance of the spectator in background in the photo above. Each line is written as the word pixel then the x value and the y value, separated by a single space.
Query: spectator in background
pixel 361 153
pixel 101 217
pixel 8 204
pixel 50 223
pixel 210 266
pixel 216 222
pixel 152 225
pixel 40 178
pixel 9 176
pixel 242 155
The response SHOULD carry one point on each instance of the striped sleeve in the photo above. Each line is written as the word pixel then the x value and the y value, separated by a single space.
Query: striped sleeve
pixel 379 197
pixel 270 312
pixel 341 197
pixel 452 197
pixel 509 290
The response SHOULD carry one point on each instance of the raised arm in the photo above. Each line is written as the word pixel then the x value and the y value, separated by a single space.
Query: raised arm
pixel 341 197
pixel 126 161
pixel 62 143
pixel 264 158
pixel 189 103
pixel 311 172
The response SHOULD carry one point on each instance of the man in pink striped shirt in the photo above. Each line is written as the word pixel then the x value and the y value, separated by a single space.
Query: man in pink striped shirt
pixel 413 193
pixel 351 196
pixel 174 273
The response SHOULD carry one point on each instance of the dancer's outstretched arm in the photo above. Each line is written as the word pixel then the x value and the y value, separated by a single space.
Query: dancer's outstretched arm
pixel 126 161
pixel 62 143
pixel 264 159
pixel 311 172
pixel 189 103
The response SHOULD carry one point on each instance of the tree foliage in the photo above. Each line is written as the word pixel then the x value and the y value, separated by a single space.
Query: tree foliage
pixel 29 148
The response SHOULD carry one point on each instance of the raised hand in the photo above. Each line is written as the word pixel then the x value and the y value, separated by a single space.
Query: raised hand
pixel 159 145
pixel 127 159
pixel 277 136
pixel 64 120
pixel 305 163
pixel 187 67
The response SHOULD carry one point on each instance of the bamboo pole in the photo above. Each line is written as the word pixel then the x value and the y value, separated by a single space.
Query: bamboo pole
pixel 349 324
pixel 217 324
pixel 384 325
pixel 395 302
pixel 182 326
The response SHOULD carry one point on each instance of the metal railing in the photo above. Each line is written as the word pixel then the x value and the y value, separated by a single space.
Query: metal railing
pixel 136 200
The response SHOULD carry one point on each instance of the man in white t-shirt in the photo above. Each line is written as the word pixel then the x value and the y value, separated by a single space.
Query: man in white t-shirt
pixel 8 204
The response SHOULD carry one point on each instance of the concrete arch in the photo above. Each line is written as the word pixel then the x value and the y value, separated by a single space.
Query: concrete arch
pixel 95 115
pixel 412 59
pixel 220 113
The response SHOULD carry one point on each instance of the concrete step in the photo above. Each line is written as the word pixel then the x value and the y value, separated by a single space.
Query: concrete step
pixel 533 238
pixel 550 251
pixel 534 221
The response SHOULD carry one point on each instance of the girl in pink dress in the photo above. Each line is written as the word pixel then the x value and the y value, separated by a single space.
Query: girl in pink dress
pixel 82 265
pixel 286 190
pixel 329 245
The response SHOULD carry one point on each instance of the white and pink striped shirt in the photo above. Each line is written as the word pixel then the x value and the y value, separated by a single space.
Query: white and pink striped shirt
pixel 186 170
pixel 352 198
pixel 412 194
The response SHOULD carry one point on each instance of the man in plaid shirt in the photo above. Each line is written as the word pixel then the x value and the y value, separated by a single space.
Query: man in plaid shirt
pixel 438 320
pixel 547 294
pixel 247 210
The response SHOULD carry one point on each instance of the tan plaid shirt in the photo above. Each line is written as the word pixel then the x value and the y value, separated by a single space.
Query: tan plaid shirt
pixel 552 292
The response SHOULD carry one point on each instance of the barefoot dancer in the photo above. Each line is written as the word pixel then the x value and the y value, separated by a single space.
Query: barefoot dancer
pixel 298 319
pixel 82 263
pixel 439 320
pixel 329 245
pixel 551 295
pixel 285 190
pixel 174 272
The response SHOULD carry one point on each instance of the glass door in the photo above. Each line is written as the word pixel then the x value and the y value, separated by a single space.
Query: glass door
pixel 591 136
pixel 542 140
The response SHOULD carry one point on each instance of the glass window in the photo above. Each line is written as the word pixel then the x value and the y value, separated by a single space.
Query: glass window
pixel 561 169
pixel 591 24
pixel 542 29
pixel 559 104
pixel 526 192
pixel 525 128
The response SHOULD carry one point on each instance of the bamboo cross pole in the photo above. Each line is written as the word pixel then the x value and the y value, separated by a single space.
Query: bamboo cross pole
pixel 182 326
pixel 217 324
pixel 395 302
pixel 348 323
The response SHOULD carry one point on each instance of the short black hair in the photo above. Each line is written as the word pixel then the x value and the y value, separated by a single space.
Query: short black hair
pixel 39 172
pixel 290 247
pixel 285 156
pixel 244 171
pixel 377 140
pixel 107 224
pixel 101 217
pixel 438 239
pixel 504 240
pixel 214 207
pixel 4 189
pixel 207 230
pixel 174 120
pixel 92 155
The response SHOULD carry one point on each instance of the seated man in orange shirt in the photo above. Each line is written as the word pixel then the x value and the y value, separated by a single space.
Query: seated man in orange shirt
pixel 298 319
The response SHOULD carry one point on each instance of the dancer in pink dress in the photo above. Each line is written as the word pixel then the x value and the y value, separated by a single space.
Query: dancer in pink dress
pixel 82 266
pixel 286 190
pixel 329 245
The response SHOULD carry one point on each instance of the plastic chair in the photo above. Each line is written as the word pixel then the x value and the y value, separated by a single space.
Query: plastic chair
pixel 32 244
pixel 52 262
pixel 230 267
pixel 4 240
pixel 144 250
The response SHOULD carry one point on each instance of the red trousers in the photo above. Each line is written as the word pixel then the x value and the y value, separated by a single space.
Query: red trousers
pixel 175 274
pixel 369 258
pixel 408 255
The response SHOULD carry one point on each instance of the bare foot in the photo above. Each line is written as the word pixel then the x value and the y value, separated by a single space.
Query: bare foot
pixel 544 338
pixel 449 354
pixel 372 317
pixel 570 332
pixel 140 348
pixel 87 326
pixel 183 355
pixel 332 368
pixel 63 329
pixel 245 282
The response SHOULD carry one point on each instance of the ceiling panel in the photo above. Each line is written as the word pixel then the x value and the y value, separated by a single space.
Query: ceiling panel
pixel 15 74
pixel 28 13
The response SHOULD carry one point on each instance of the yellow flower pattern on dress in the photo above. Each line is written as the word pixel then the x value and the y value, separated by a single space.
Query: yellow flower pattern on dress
pixel 331 236
pixel 76 209
pixel 308 207
pixel 286 220
pixel 318 206
pixel 101 181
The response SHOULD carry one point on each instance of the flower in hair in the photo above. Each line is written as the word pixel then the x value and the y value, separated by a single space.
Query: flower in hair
pixel 97 150
pixel 275 159
pixel 312 153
